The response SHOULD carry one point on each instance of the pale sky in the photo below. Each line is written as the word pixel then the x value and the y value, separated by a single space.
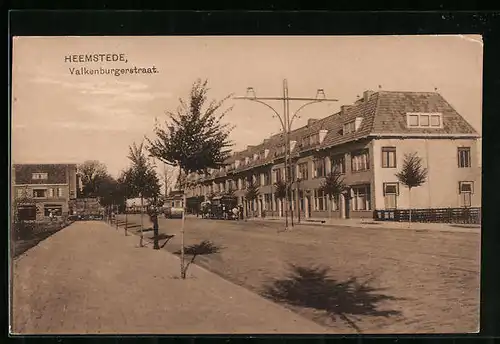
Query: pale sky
pixel 59 118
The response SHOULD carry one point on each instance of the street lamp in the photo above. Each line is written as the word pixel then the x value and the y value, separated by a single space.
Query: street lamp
pixel 286 123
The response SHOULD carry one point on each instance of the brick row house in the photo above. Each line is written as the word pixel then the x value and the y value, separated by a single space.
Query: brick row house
pixel 367 142
pixel 45 187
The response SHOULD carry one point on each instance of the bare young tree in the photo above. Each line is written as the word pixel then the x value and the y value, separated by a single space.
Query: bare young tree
pixel 142 178
pixel 412 175
pixel 194 140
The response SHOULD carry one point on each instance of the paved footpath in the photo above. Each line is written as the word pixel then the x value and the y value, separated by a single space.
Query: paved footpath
pixel 89 278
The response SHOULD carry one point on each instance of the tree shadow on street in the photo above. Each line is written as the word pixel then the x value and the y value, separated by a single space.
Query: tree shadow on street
pixel 205 247
pixel 161 236
pixel 311 287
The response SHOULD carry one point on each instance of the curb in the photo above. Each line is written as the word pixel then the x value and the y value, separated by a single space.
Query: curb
pixel 378 227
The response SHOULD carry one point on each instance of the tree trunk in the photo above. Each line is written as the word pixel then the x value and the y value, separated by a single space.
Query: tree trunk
pixel 330 206
pixel 155 231
pixel 142 222
pixel 126 221
pixel 338 206
pixel 183 270
pixel 409 208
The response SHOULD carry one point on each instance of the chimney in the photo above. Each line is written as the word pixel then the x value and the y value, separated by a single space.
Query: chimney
pixel 367 95
pixel 310 121
pixel 344 108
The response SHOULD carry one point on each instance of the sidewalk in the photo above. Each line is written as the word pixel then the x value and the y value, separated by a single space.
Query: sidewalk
pixel 372 224
pixel 91 279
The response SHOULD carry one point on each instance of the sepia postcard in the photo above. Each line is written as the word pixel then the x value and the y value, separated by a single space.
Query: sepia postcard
pixel 245 184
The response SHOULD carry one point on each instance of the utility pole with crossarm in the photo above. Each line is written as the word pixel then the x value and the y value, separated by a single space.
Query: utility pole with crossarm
pixel 286 123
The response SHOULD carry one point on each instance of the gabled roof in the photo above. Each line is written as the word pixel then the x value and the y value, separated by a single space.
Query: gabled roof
pixel 393 106
pixel 57 173
pixel 383 113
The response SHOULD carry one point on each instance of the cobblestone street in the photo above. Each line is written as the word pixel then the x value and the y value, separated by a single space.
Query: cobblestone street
pixel 354 279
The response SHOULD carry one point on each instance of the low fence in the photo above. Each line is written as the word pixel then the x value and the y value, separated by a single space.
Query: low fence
pixel 437 215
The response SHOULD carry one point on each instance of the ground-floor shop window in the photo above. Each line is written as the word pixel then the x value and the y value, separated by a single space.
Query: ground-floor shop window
pixel 56 209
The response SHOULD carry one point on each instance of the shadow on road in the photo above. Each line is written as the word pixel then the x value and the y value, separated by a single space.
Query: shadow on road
pixel 203 248
pixel 313 288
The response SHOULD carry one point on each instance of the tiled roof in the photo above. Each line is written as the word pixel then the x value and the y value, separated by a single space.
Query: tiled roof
pixel 393 106
pixel 383 113
pixel 56 173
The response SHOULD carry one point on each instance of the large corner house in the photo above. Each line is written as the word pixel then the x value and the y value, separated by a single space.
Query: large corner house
pixel 367 142
pixel 43 188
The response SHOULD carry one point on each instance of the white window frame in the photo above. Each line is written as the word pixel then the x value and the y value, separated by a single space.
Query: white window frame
pixel 466 196
pixel 429 116
pixel 315 168
pixel 388 151
pixel 395 194
pixel 317 199
pixel 355 199
pixel 40 189
pixel 468 163
pixel 358 159
pixel 303 166
pixel 40 176
pixel 349 127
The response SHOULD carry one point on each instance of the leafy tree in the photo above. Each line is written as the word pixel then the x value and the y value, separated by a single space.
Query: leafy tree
pixel 22 229
pixel 142 179
pixel 412 175
pixel 332 186
pixel 194 140
pixel 280 191
pixel 91 173
pixel 251 194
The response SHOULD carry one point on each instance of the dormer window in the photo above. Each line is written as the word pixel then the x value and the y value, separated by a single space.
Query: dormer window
pixel 39 176
pixel 304 142
pixel 266 153
pixel 314 139
pixel 349 127
pixel 424 120
pixel 322 135
pixel 236 164
pixel 247 160
pixel 255 157
pixel 357 123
